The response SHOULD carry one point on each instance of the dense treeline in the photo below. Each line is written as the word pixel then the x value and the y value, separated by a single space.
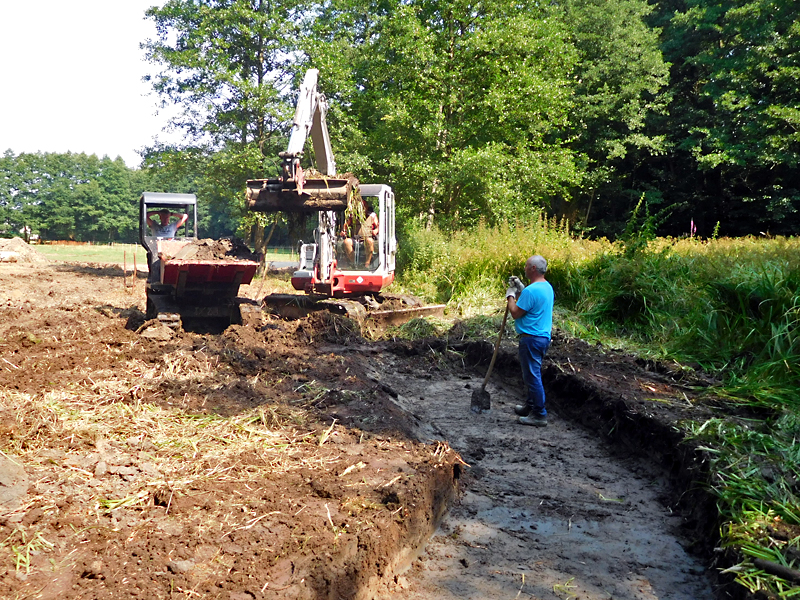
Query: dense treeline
pixel 482 112
pixel 69 196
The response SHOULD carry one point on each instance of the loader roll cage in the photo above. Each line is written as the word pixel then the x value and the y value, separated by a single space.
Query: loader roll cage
pixel 175 203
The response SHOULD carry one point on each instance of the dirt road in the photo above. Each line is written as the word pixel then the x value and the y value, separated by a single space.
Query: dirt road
pixel 297 460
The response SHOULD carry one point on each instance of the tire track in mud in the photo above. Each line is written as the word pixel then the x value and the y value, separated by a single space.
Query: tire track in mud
pixel 547 513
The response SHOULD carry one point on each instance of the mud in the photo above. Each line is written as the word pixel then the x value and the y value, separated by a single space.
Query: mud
pixel 374 441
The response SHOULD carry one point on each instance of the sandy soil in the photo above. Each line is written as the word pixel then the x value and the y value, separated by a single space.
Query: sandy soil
pixel 340 458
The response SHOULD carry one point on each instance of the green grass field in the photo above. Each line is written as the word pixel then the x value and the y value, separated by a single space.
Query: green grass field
pixel 118 253
pixel 95 253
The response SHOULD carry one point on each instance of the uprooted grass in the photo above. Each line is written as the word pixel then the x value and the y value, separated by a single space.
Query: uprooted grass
pixel 81 423
pixel 107 413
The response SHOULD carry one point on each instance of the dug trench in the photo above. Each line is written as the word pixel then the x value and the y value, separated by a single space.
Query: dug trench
pixel 297 460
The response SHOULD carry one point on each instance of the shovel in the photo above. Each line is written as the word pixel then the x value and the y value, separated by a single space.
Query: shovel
pixel 481 401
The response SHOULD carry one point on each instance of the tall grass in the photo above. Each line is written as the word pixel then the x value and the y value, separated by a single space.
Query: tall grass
pixel 469 269
pixel 730 306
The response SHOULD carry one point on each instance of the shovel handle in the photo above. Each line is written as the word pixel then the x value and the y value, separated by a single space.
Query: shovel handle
pixel 496 348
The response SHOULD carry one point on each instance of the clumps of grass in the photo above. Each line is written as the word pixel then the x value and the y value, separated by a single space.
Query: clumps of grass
pixel 480 327
pixel 419 328
pixel 757 478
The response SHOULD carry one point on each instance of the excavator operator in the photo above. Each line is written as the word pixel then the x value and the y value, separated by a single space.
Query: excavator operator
pixel 366 231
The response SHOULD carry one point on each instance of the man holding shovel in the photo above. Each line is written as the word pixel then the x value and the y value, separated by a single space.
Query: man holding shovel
pixel 532 310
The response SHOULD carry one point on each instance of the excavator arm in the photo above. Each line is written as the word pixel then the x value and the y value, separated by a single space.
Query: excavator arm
pixel 309 119
pixel 296 190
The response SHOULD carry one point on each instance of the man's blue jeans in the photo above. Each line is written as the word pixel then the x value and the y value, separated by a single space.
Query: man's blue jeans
pixel 531 352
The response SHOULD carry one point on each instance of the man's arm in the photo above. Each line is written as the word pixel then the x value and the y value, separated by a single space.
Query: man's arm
pixel 183 218
pixel 513 309
pixel 374 229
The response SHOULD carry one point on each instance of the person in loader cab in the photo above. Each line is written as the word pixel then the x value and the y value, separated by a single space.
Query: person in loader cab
pixel 165 227
pixel 532 310
pixel 366 231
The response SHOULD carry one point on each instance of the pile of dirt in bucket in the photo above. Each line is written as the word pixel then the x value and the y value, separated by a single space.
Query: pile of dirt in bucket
pixel 17 250
pixel 222 249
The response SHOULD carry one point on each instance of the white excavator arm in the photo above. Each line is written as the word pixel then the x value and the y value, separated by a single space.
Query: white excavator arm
pixel 294 191
pixel 309 119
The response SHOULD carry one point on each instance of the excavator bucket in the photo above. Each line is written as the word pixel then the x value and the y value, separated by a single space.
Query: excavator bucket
pixel 313 195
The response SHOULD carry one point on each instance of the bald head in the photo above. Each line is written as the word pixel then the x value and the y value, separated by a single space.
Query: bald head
pixel 537 262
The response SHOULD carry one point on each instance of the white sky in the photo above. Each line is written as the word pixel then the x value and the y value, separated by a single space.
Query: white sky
pixel 72 78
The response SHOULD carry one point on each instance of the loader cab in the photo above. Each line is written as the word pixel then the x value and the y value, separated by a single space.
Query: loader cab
pixel 165 210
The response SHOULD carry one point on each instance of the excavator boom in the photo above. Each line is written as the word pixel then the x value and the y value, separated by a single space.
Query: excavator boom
pixel 295 190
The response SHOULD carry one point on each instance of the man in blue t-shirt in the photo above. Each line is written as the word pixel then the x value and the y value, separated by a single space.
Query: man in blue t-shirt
pixel 532 309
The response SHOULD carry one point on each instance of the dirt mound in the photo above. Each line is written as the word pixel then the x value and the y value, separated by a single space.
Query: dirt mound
pixel 222 249
pixel 16 250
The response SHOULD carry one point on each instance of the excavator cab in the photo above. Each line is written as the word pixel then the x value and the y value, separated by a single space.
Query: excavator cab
pixel 337 266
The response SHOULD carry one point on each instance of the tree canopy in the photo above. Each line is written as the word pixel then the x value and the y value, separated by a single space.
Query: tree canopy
pixel 69 196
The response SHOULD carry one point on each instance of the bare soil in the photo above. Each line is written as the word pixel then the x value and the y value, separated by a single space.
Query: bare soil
pixel 337 463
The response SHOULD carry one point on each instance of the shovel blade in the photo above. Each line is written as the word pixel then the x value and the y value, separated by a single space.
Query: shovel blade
pixel 481 401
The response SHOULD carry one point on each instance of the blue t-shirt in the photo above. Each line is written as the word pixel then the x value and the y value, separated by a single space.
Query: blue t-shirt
pixel 537 302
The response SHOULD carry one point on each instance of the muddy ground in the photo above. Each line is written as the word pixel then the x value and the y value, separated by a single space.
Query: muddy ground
pixel 297 460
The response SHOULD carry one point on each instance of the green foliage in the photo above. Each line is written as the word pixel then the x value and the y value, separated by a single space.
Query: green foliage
pixel 69 196
pixel 469 269
pixel 733 120
pixel 619 78
pixel 731 306
pixel 224 63
pixel 459 106
pixel 756 466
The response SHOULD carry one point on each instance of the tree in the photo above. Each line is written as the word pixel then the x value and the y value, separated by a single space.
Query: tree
pixel 225 63
pixel 69 196
pixel 230 65
pixel 734 121
pixel 458 104
pixel 619 75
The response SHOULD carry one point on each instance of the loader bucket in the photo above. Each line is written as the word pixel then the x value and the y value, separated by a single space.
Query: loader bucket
pixel 276 195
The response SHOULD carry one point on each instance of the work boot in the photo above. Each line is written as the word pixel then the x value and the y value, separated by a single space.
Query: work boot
pixel 533 421
pixel 523 410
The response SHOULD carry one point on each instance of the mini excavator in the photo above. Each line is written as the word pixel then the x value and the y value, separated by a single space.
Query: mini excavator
pixel 343 273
